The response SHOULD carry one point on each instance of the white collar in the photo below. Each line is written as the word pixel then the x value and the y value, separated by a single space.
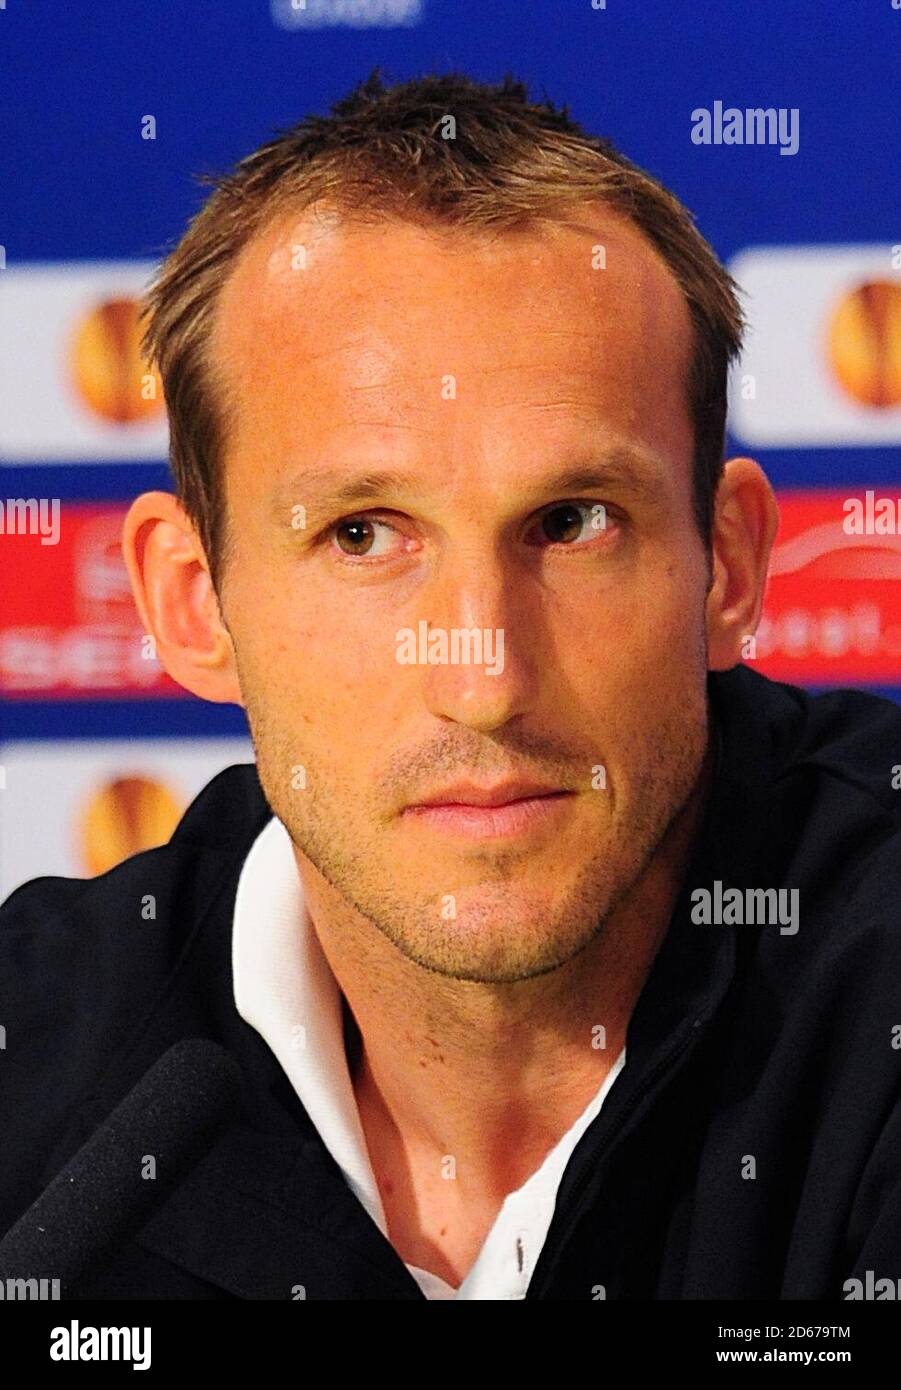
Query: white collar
pixel 285 989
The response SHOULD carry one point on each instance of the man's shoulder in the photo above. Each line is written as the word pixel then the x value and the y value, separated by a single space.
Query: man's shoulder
pixel 86 965
pixel 828 803
pixel 840 743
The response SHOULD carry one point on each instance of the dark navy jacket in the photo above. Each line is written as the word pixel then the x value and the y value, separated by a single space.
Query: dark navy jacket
pixel 747 1043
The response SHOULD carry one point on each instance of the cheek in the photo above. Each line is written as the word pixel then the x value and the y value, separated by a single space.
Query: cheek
pixel 638 609
pixel 638 649
pixel 320 656
pixel 668 607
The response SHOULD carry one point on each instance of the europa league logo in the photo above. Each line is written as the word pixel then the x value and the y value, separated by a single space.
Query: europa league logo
pixel 123 817
pixel 864 343
pixel 108 369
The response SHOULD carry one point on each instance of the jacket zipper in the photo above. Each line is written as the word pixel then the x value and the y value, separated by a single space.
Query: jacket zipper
pixel 668 1060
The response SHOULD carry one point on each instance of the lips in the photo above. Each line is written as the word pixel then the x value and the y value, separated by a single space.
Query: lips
pixel 509 812
pixel 498 794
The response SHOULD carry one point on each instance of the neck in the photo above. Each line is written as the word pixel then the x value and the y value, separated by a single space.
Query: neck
pixel 443 1066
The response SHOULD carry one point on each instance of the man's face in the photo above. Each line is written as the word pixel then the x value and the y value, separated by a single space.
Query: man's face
pixel 479 371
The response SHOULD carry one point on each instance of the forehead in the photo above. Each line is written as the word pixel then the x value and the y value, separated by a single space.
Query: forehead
pixel 328 322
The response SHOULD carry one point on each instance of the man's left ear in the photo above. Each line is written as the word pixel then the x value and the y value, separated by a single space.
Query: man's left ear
pixel 744 525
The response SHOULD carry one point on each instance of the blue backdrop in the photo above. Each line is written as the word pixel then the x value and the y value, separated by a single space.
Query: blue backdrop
pixel 78 182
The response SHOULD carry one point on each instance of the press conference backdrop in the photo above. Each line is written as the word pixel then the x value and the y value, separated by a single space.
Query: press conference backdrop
pixel 778 123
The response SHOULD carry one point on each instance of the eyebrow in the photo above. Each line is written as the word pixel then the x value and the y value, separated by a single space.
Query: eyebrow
pixel 323 489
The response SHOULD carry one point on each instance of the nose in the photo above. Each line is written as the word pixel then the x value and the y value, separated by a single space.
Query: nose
pixel 479 638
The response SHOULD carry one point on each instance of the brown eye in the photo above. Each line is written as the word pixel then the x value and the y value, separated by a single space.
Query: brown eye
pixel 358 534
pixel 365 538
pixel 562 523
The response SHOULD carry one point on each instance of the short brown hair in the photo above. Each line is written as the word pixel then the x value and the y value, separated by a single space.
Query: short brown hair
pixel 382 152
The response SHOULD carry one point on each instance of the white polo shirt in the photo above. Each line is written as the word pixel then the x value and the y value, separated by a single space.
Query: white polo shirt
pixel 285 989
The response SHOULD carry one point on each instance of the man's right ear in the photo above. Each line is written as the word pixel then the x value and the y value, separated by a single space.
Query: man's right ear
pixel 171 583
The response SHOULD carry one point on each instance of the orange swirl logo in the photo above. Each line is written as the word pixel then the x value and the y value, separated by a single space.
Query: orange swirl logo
pixel 108 370
pixel 124 817
pixel 864 343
